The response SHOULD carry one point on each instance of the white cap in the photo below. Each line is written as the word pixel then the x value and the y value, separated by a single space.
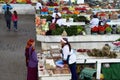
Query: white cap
pixel 65 40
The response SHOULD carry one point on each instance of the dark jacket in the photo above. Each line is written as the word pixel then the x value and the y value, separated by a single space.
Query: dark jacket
pixel 8 15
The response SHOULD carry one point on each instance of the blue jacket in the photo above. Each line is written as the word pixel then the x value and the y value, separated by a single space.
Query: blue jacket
pixel 4 7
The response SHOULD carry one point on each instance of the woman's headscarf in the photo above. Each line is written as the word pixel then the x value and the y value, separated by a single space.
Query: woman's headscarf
pixel 29 43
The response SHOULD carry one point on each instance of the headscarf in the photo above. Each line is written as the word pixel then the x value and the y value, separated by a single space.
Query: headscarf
pixel 29 46
pixel 29 43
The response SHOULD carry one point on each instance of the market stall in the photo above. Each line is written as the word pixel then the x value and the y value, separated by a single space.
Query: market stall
pixel 50 66
pixel 78 41
pixel 18 1
pixel 62 72
pixel 73 27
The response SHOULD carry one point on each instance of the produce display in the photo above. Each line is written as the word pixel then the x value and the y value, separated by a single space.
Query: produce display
pixel 78 13
pixel 50 68
pixel 47 62
pixel 58 70
pixel 55 52
pixel 21 1
pixel 54 29
pixel 104 52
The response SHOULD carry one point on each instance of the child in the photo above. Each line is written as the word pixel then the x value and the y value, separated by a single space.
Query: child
pixel 15 19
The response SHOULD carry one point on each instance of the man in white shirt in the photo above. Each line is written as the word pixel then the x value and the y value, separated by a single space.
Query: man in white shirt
pixel 38 6
pixel 56 17
pixel 56 12
pixel 94 21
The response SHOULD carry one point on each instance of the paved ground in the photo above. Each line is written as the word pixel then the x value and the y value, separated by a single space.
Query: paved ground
pixel 12 44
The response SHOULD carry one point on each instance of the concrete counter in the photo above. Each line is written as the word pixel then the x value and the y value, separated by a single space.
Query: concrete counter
pixel 81 41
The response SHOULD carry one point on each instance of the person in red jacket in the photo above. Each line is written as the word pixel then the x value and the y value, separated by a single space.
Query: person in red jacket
pixel 15 20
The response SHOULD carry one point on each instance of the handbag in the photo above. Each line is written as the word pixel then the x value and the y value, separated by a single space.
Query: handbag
pixel 52 26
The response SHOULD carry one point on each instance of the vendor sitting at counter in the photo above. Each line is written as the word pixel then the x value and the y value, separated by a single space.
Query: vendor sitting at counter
pixel 38 6
pixel 94 21
pixel 56 16
pixel 69 57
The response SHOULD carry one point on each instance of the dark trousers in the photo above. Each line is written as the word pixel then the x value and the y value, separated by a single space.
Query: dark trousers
pixel 73 71
pixel 15 24
pixel 8 22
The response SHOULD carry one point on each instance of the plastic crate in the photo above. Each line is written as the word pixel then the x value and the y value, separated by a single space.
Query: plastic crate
pixel 88 73
pixel 44 13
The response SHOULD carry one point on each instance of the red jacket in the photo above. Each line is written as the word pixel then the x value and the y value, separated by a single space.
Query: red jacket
pixel 14 18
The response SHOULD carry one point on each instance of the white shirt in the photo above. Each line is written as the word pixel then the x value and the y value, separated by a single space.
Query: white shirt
pixel 38 5
pixel 66 52
pixel 54 14
pixel 59 20
pixel 94 22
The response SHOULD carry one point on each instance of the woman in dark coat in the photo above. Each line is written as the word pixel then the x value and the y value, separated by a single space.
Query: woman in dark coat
pixel 8 16
pixel 31 60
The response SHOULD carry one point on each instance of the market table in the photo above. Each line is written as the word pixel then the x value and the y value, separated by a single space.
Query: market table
pixel 82 58
pixel 80 41
pixel 104 10
pixel 44 73
pixel 98 63
pixel 109 10
pixel 73 23
pixel 55 77
pixel 113 23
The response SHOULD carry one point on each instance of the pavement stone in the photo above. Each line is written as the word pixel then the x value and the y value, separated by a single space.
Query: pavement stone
pixel 12 45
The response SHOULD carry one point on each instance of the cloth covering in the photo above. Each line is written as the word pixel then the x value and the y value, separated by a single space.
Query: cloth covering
pixel 59 63
pixel 88 73
pixel 112 73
